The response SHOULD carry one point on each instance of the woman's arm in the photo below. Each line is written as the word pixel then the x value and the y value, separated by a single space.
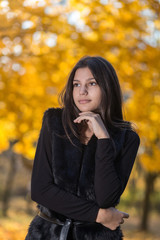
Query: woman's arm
pixel 111 177
pixel 45 192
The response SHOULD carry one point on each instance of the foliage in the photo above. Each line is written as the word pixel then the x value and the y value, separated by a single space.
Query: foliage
pixel 41 41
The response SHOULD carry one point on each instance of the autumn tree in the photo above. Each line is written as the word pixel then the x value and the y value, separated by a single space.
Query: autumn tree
pixel 42 40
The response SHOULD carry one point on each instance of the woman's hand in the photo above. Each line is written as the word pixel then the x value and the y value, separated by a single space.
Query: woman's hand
pixel 111 217
pixel 94 123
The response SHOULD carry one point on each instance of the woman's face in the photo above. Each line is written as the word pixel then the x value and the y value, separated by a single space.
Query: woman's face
pixel 86 91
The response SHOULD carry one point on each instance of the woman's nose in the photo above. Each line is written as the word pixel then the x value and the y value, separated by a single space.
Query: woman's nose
pixel 83 90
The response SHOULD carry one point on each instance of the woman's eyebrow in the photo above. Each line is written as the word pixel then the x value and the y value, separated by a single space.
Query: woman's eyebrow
pixel 79 80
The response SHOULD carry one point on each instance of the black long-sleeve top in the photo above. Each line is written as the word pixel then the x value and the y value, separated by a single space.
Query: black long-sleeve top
pixel 110 181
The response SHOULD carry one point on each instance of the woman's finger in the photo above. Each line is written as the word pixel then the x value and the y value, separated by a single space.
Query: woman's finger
pixel 82 118
pixel 125 215
pixel 122 221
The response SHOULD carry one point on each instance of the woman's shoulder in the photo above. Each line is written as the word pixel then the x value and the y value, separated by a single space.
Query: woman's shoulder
pixel 52 117
pixel 126 136
pixel 51 114
pixel 132 136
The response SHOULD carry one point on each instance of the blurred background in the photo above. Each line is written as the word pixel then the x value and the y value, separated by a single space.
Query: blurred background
pixel 40 41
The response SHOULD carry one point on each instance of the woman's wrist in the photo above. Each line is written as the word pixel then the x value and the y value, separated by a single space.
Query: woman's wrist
pixel 102 214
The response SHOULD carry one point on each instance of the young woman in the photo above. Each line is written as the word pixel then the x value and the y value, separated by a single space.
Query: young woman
pixel 84 158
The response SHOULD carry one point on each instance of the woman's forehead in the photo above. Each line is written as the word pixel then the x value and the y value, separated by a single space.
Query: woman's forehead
pixel 83 73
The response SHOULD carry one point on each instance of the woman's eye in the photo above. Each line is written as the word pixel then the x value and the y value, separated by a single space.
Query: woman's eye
pixel 93 83
pixel 75 84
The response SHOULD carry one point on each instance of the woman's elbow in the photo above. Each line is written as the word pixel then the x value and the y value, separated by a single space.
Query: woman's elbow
pixel 38 191
pixel 35 193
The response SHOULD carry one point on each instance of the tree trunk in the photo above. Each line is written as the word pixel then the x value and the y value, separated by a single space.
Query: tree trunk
pixel 149 189
pixel 9 182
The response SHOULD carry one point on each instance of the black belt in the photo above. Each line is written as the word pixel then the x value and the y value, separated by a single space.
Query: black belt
pixel 65 225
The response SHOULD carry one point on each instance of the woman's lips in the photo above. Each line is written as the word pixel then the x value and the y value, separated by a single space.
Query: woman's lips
pixel 84 101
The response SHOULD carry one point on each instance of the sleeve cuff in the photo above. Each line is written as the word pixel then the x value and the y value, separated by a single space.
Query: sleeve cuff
pixel 94 214
pixel 104 148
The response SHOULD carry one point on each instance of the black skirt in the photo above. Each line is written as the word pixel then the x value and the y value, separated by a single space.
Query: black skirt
pixel 42 229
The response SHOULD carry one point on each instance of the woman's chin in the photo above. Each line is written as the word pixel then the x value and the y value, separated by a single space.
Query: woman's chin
pixel 86 109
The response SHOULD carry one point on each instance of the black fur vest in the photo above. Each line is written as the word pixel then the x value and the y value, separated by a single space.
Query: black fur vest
pixel 74 176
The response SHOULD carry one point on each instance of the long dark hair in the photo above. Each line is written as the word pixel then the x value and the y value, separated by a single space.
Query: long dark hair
pixel 111 103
